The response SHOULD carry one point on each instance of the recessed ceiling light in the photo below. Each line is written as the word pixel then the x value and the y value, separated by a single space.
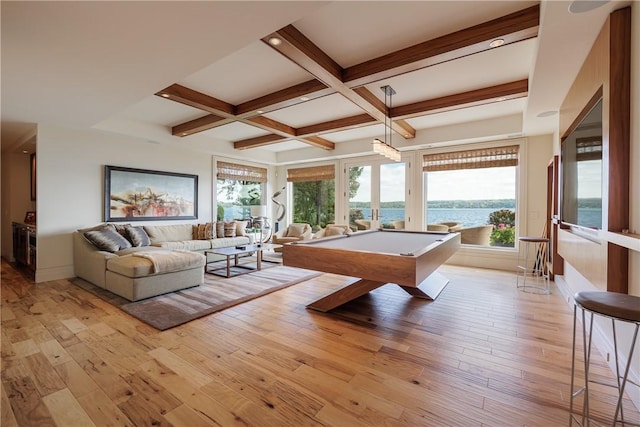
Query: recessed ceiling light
pixel 547 113
pixel 502 98
pixel 184 134
pixel 581 6
pixel 25 151
pixel 304 98
pixel 496 43
pixel 275 41
pixel 259 111
pixel 165 95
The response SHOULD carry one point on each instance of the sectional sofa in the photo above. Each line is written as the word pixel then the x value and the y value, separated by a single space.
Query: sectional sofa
pixel 138 262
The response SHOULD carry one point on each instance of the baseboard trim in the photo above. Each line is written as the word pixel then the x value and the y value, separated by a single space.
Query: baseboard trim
pixel 54 273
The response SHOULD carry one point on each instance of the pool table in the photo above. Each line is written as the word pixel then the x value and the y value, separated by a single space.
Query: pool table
pixel 408 259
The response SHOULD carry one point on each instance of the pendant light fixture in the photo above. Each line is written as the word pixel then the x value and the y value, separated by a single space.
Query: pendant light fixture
pixel 382 147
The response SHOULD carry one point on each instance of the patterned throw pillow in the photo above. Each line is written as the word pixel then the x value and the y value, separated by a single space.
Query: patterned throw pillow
pixel 204 231
pixel 137 236
pixel 106 238
pixel 220 229
pixel 230 229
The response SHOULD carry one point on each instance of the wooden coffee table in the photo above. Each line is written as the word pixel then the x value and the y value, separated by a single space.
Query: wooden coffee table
pixel 235 252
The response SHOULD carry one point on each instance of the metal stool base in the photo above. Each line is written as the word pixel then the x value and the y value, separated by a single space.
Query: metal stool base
pixel 617 307
pixel 533 279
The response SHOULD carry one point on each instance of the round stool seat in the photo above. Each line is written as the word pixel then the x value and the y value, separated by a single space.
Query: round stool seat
pixel 612 304
pixel 533 239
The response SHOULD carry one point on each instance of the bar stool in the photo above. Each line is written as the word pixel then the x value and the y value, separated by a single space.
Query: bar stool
pixel 538 274
pixel 617 307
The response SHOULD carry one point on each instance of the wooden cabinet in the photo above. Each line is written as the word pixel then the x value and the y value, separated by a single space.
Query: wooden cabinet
pixel 24 245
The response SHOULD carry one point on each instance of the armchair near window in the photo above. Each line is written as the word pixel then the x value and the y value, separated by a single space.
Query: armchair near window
pixel 453 225
pixel 363 224
pixel 437 227
pixel 293 233
pixel 332 230
pixel 476 235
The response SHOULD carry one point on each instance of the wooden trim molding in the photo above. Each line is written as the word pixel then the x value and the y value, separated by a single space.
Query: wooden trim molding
pixel 619 146
pixel 608 65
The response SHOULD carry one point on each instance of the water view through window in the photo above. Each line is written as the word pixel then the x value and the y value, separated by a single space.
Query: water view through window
pixel 480 203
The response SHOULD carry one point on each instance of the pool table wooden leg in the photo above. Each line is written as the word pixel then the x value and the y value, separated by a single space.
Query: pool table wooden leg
pixel 429 288
pixel 345 294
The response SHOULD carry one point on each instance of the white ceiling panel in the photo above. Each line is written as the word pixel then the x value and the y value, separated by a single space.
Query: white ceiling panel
pixel 234 132
pixel 471 114
pixel 317 110
pixel 248 73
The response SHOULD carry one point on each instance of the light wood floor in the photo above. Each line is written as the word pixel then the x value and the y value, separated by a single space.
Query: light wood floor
pixel 482 354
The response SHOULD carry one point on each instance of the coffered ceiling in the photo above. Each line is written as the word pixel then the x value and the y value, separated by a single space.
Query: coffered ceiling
pixel 271 79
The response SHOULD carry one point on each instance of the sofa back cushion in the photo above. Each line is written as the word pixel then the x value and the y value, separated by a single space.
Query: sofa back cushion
pixel 169 233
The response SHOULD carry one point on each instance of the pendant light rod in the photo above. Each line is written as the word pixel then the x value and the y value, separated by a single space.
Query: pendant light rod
pixel 385 148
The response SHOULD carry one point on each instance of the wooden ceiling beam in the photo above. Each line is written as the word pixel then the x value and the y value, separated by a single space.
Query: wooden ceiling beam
pixel 517 89
pixel 515 27
pixel 296 47
pixel 227 115
pixel 258 141
pixel 288 97
pixel 288 132
pixel 200 124
pixel 337 125
pixel 184 95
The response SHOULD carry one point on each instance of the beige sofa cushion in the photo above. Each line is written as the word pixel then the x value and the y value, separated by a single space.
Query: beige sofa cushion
pixel 135 266
pixel 187 245
pixel 169 233
pixel 224 242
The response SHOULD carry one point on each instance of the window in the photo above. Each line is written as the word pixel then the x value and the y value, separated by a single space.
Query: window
pixel 238 188
pixel 313 195
pixel 474 192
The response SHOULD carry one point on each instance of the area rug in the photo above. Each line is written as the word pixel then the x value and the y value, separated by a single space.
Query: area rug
pixel 216 294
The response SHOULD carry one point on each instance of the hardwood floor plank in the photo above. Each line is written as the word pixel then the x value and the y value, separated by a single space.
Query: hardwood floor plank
pixel 27 405
pixel 75 378
pixel 45 377
pixel 103 411
pixel 65 409
pixel 7 418
pixel 183 415
pixel 106 377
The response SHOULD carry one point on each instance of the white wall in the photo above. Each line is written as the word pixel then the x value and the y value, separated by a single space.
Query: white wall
pixel 71 185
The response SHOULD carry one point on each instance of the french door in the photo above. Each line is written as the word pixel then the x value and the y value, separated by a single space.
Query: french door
pixel 375 194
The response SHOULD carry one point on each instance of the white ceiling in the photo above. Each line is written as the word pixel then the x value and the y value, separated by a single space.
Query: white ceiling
pixel 99 65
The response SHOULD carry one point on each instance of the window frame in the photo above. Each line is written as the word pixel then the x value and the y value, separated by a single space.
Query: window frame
pixel 215 179
pixel 520 197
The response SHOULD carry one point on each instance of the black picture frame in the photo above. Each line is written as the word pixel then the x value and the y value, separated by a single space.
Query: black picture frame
pixel 147 195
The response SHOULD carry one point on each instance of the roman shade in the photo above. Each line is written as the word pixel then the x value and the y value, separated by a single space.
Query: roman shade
pixel 471 159
pixel 315 173
pixel 240 172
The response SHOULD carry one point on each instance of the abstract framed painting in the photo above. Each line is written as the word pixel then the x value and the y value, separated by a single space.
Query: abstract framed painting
pixel 147 195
